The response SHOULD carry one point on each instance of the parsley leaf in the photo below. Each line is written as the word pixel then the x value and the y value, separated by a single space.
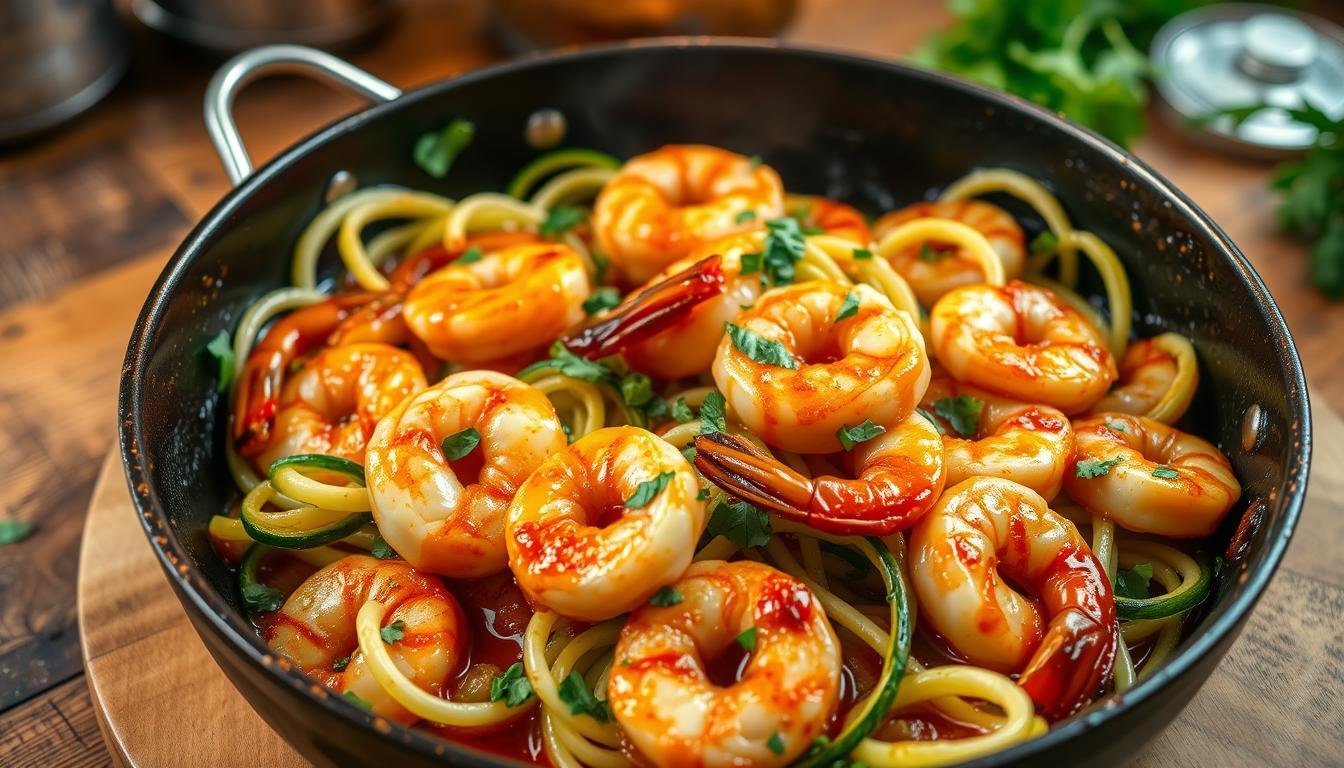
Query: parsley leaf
pixel 647 490
pixel 435 151
pixel 929 254
pixel 681 411
pixel 470 256
pixel 775 743
pixel 460 444
pixel 962 412
pixel 743 217
pixel 751 263
pixel 784 247
pixel 561 219
pixel 741 522
pixel 859 433
pixel 13 531
pixel 636 389
pixel 511 685
pixel 581 701
pixel 849 308
pixel 1090 468
pixel 381 549
pixel 713 414
pixel 221 348
pixel 1166 473
pixel 340 664
pixel 747 639
pixel 665 597
pixel 936 424
pixel 1133 583
pixel 1046 242
pixel 754 162
pixel 862 254
pixel 567 363
pixel 393 632
pixel 759 348
pixel 1116 425
pixel 601 299
pixel 702 495
pixel 262 598
pixel 354 698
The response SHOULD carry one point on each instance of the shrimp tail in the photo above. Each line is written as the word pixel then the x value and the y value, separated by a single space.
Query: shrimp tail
pixel 655 309
pixel 829 504
pixel 1077 655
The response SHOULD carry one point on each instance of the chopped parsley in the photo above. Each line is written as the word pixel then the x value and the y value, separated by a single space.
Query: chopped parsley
pixel 962 412
pixel 221 348
pixel 849 308
pixel 581 701
pixel 862 254
pixel 681 411
pixel 512 686
pixel 471 255
pixel 775 743
pixel 354 698
pixel 713 414
pixel 1133 582
pixel 458 445
pixel 393 632
pixel 601 299
pixel 784 247
pixel 1116 426
pixel 702 495
pixel 1046 242
pixel 567 363
pixel 929 254
pixel 1090 468
pixel 929 416
pixel 750 263
pixel 340 664
pixel 859 433
pixel 754 162
pixel 747 639
pixel 381 549
pixel 743 217
pixel 435 151
pixel 647 490
pixel 262 598
pixel 1166 473
pixel 665 597
pixel 561 219
pixel 741 522
pixel 759 348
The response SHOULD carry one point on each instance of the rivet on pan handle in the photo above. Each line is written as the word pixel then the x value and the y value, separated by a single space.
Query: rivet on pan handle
pixel 269 60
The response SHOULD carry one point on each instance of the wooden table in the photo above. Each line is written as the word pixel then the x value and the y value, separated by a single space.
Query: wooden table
pixel 89 216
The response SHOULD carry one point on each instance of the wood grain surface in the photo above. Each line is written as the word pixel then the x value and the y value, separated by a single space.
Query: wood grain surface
pixel 91 214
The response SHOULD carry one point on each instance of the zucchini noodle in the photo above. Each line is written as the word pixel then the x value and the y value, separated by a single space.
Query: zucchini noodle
pixel 571 739
pixel 1174 402
pixel 303 270
pixel 405 205
pixel 1033 193
pixel 945 231
pixel 572 186
pixel 491 210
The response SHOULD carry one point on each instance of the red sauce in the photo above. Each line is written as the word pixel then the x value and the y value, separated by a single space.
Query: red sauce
pixel 1033 419
pixel 784 604
pixel 555 547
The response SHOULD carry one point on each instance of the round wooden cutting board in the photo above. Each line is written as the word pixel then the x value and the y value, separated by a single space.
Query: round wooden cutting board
pixel 162 700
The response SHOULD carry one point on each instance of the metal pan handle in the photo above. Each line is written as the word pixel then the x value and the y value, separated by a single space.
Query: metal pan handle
pixel 269 60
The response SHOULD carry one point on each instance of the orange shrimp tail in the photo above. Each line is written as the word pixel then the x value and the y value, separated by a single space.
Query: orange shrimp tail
pixel 655 309
pixel 1077 656
pixel 829 504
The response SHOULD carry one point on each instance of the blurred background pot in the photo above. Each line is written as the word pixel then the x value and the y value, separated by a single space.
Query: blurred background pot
pixel 229 26
pixel 57 59
pixel 523 25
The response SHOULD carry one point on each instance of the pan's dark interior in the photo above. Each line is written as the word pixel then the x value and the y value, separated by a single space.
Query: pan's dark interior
pixel 871 134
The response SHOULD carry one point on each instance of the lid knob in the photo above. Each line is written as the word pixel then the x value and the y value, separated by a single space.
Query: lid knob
pixel 1276 47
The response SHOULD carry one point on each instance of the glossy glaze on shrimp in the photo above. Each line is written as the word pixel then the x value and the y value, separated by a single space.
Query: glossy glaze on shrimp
pixel 316 629
pixel 675 715
pixel 985 532
pixel 933 269
pixel 665 204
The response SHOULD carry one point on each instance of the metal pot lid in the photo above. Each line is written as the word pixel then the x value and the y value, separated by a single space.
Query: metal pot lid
pixel 1243 54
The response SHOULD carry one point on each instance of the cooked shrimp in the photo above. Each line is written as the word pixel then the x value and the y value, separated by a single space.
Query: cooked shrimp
pixel 897 477
pixel 1149 477
pixel 672 326
pixel 663 205
pixel 604 523
pixel 675 715
pixel 1152 381
pixel 316 628
pixel 1023 342
pixel 446 515
pixel 1028 444
pixel 510 301
pixel 933 269
pixel 869 365
pixel 256 399
pixel 831 217
pixel 414 267
pixel 986 532
pixel 334 402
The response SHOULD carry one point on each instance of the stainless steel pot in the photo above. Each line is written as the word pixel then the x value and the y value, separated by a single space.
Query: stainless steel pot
pixel 57 59
pixel 236 25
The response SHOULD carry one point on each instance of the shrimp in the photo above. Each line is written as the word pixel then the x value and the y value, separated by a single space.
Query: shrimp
pixel 446 515
pixel 413 268
pixel 316 628
pixel 987 532
pixel 510 301
pixel 1028 444
pixel 831 217
pixel 1149 371
pixel 830 373
pixel 933 269
pixel 1021 341
pixel 256 399
pixel 604 523
pixel 898 476
pixel 1149 477
pixel 661 206
pixel 672 326
pixel 675 715
pixel 334 402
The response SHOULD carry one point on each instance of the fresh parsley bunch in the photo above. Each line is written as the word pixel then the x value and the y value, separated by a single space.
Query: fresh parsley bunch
pixel 1313 199
pixel 1084 58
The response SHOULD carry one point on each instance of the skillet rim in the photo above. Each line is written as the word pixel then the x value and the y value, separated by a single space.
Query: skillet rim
pixel 192 587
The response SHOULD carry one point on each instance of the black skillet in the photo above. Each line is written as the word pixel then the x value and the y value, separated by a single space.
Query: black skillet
pixel 871 133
